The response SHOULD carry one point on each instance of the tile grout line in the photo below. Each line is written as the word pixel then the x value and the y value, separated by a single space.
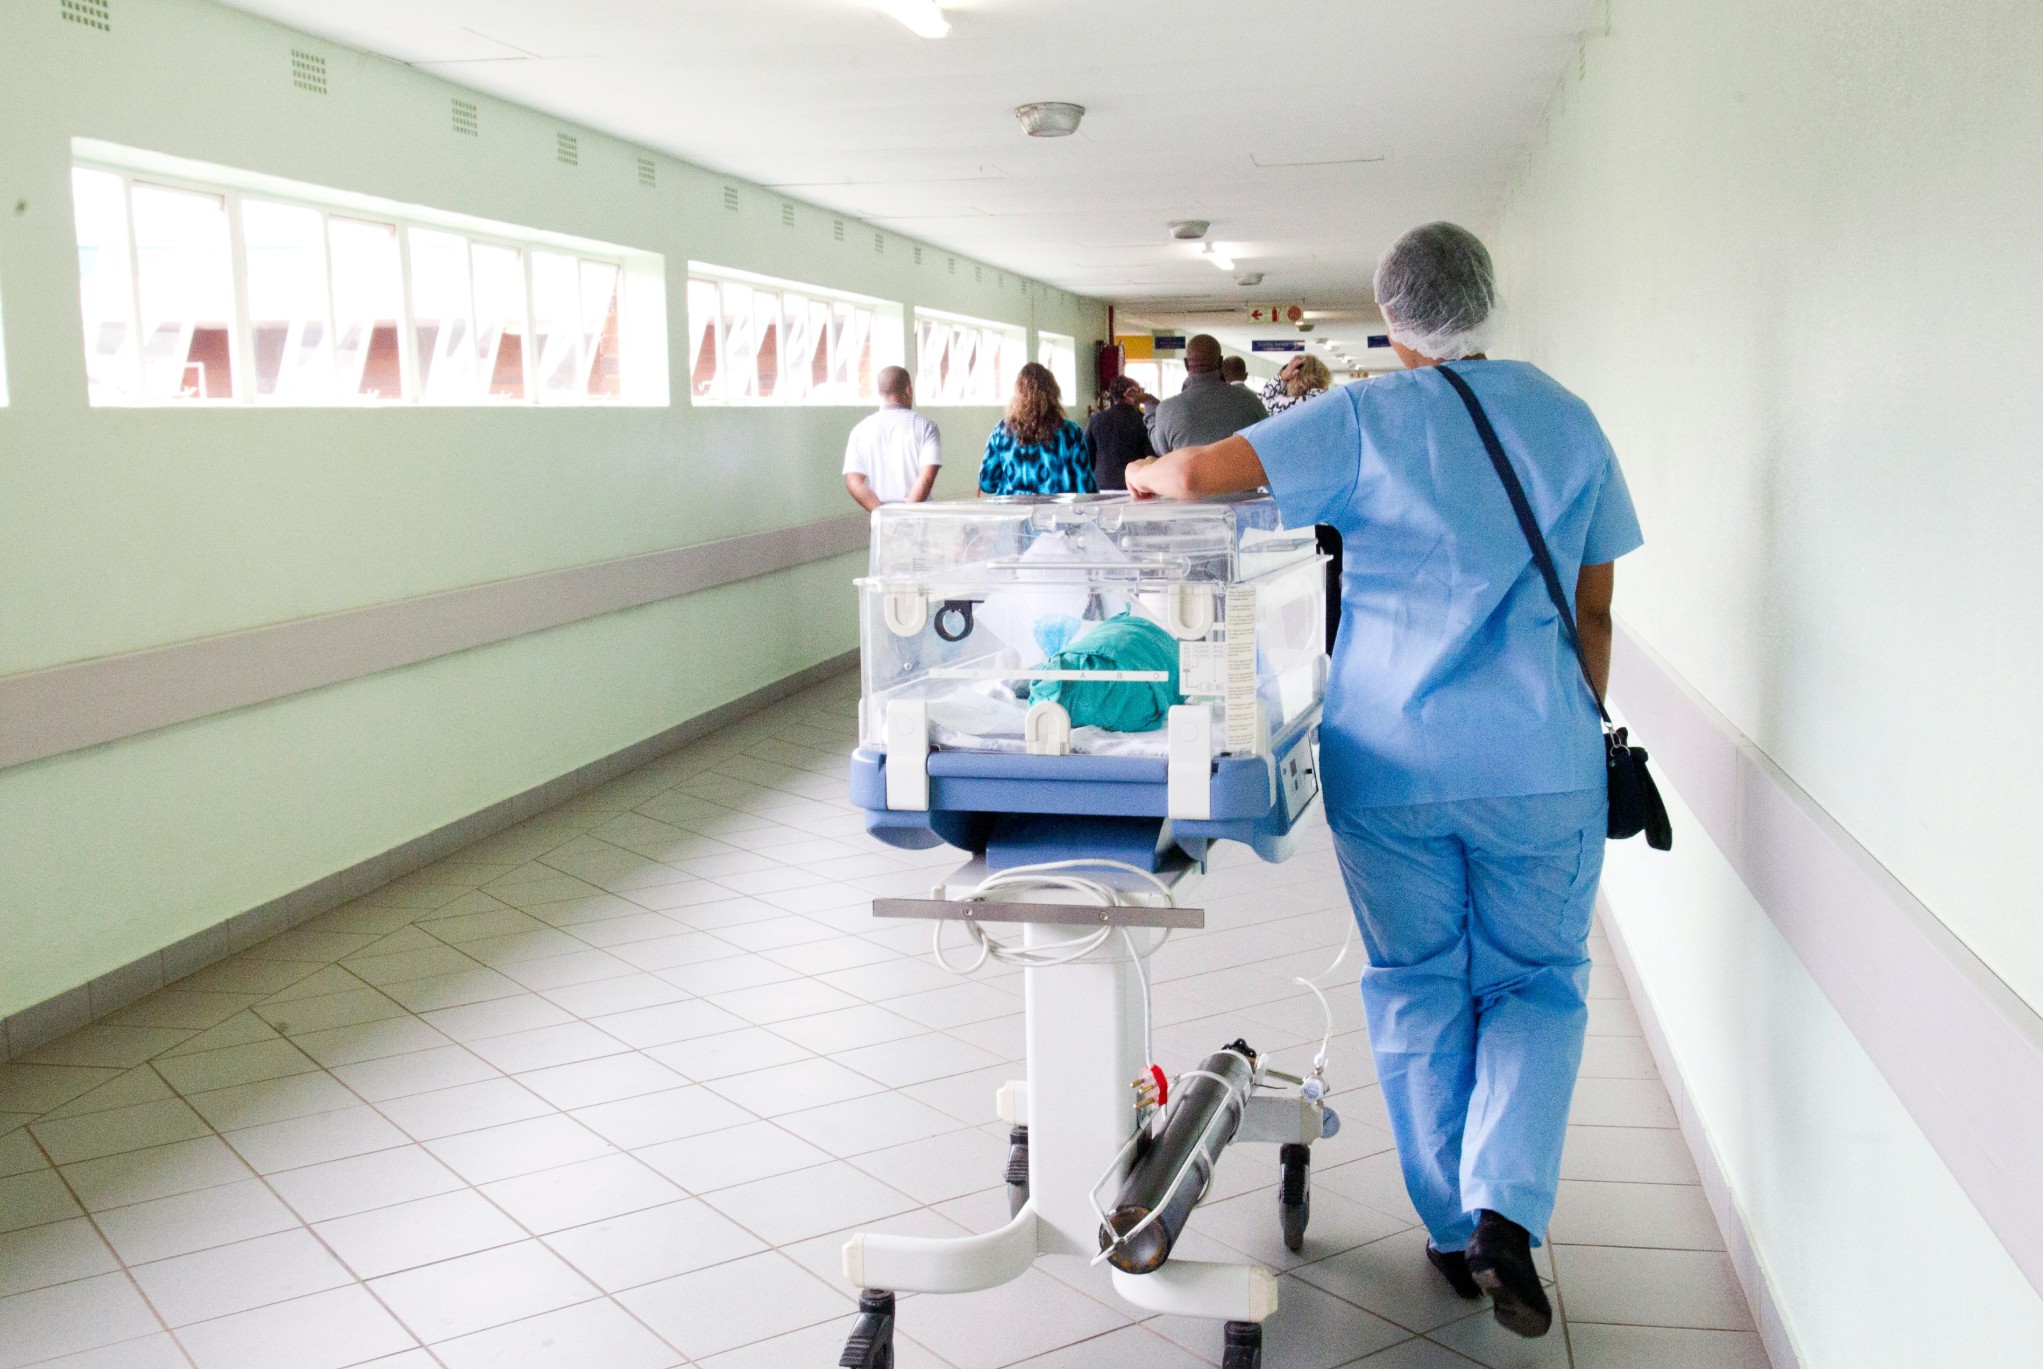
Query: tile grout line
pixel 586 825
pixel 119 1260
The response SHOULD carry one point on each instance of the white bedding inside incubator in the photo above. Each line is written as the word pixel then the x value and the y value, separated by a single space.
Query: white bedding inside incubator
pixel 987 716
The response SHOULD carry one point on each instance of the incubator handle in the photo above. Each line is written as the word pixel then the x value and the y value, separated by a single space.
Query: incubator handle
pixel 1047 728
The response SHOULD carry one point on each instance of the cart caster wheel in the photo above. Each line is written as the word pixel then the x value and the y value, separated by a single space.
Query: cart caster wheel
pixel 1017 1170
pixel 1294 1194
pixel 872 1340
pixel 1244 1346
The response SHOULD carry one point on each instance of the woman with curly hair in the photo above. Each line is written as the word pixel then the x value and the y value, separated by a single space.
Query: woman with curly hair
pixel 1036 449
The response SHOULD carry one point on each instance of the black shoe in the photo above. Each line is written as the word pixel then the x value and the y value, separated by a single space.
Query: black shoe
pixel 1453 1267
pixel 1500 1261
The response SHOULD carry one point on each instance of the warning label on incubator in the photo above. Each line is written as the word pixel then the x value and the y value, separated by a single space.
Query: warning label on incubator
pixel 1240 708
pixel 1202 670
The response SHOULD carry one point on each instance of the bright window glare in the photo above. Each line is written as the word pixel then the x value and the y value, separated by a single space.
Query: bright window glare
pixel 598 367
pixel 758 343
pixel 500 320
pixel 105 286
pixel 199 292
pixel 368 292
pixel 184 285
pixel 1060 354
pixel 287 302
pixel 442 315
pixel 966 361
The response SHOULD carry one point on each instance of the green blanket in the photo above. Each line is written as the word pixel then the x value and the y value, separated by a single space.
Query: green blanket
pixel 1123 642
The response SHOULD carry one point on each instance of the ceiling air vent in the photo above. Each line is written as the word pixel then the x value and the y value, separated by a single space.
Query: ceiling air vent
pixel 648 173
pixel 837 229
pixel 467 120
pixel 568 148
pixel 91 13
pixel 308 71
pixel 787 215
pixel 731 198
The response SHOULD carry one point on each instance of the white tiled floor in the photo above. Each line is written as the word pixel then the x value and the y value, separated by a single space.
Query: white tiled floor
pixel 606 1090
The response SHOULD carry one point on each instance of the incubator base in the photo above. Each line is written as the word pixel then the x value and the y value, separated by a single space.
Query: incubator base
pixel 1087 1056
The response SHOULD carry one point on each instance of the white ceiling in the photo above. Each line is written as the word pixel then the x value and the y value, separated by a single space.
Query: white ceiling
pixel 1260 117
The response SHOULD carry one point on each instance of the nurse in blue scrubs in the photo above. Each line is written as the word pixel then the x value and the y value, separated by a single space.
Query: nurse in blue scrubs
pixel 1461 753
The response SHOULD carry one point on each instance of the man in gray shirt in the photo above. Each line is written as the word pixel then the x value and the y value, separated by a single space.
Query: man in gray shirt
pixel 1208 408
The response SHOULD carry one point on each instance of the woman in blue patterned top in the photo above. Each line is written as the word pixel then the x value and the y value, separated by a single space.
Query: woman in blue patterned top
pixel 1036 449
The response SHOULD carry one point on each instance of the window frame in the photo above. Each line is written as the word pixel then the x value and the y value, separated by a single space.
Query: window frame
pixel 885 335
pixel 640 288
pixel 1045 341
pixel 1014 335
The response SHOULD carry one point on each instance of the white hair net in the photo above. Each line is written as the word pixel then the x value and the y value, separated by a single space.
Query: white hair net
pixel 1436 288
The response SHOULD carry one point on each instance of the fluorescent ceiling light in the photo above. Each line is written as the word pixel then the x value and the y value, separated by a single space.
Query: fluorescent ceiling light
pixel 922 17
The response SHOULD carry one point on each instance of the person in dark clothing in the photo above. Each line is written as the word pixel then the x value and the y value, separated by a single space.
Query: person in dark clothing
pixel 1329 539
pixel 1118 432
pixel 1208 408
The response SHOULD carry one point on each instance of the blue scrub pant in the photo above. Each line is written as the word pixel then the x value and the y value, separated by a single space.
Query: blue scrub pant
pixel 1476 918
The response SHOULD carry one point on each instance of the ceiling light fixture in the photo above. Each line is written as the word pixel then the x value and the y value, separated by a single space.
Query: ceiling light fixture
pixel 1217 257
pixel 1249 278
pixel 921 17
pixel 1049 118
pixel 1189 230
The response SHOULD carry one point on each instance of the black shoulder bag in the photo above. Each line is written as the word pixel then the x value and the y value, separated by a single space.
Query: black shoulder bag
pixel 1635 804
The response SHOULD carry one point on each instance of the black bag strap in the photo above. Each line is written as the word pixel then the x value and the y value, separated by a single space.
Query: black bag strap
pixel 1526 524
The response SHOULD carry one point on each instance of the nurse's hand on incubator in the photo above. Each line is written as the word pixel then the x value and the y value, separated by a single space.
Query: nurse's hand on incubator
pixel 1224 467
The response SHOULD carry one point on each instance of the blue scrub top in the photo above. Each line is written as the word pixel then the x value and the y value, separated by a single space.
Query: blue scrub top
pixel 1451 676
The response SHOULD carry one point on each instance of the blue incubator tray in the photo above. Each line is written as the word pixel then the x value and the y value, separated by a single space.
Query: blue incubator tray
pixel 981 801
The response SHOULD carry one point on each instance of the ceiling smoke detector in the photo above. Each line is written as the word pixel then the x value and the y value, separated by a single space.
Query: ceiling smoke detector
pixel 1189 230
pixel 1249 278
pixel 1049 118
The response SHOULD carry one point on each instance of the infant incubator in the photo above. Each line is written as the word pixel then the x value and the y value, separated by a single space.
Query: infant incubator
pixel 1082 694
pixel 972 705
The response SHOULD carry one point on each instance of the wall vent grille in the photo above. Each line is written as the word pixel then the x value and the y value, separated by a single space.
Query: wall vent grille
pixel 308 71
pixel 91 13
pixel 731 198
pixel 950 264
pixel 879 244
pixel 787 215
pixel 568 148
pixel 837 229
pixel 918 256
pixel 648 172
pixel 467 119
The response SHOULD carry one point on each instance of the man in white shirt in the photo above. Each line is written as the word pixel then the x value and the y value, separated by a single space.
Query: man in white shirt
pixel 893 455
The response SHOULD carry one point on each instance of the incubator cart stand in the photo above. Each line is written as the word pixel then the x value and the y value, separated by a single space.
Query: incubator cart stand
pixel 1088 840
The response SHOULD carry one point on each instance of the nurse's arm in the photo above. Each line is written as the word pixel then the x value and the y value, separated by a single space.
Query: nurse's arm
pixel 1224 467
pixel 1593 589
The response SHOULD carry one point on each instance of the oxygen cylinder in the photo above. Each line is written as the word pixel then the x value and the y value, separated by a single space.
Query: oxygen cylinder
pixel 1202 1121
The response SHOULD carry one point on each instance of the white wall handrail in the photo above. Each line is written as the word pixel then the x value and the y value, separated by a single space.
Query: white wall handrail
pixel 88 703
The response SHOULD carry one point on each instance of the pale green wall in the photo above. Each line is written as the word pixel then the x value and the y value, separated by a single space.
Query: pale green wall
pixel 122 529
pixel 1789 253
